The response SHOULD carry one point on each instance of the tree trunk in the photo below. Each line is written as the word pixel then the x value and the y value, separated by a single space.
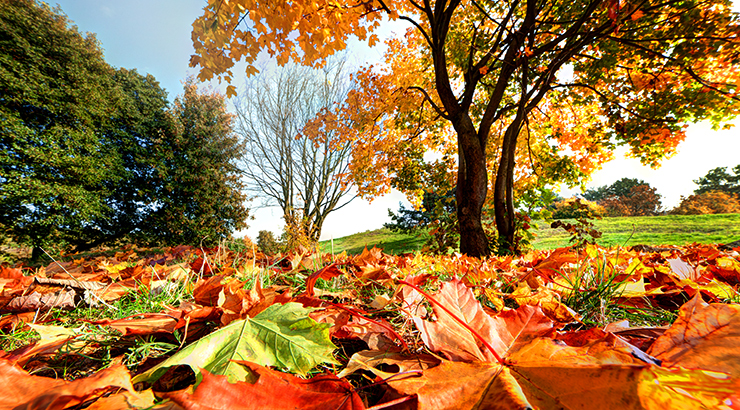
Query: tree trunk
pixel 503 189
pixel 472 187
pixel 36 253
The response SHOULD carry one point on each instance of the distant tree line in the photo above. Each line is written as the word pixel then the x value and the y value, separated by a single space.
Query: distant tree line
pixel 718 193
pixel 91 154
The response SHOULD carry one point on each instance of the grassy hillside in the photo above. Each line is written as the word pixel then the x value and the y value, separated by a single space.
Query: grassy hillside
pixel 625 231
pixel 653 230
pixel 391 242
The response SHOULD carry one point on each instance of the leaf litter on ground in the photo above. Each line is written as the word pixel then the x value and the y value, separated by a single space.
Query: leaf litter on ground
pixel 560 329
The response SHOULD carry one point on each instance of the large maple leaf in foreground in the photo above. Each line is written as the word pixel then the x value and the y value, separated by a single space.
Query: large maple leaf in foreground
pixel 517 360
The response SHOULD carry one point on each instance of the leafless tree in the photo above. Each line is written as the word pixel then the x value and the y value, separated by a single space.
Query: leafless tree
pixel 305 178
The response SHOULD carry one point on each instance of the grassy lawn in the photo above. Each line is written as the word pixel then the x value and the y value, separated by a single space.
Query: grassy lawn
pixel 624 231
pixel 652 230
pixel 392 243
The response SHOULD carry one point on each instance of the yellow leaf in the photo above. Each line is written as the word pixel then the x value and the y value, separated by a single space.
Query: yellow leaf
pixel 230 91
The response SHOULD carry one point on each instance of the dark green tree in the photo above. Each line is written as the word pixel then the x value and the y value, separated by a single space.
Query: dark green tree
pixel 199 189
pixel 719 179
pixel 619 188
pixel 56 91
pixel 90 154
pixel 142 122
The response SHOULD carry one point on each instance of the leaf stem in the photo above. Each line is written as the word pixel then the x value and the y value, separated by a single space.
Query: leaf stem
pixel 460 321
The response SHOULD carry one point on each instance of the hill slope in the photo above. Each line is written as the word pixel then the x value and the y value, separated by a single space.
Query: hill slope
pixel 623 231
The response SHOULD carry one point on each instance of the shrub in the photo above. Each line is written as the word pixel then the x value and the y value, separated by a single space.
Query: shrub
pixel 267 243
pixel 573 208
pixel 712 202
pixel 298 233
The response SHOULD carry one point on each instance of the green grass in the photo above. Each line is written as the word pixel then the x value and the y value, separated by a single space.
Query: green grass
pixel 623 231
pixel 651 230
pixel 391 242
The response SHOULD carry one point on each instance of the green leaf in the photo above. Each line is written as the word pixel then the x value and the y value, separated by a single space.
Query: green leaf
pixel 282 336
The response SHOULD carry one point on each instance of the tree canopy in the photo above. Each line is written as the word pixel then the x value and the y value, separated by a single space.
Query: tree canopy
pixel 718 179
pixel 90 154
pixel 55 92
pixel 538 90
pixel 621 187
pixel 199 188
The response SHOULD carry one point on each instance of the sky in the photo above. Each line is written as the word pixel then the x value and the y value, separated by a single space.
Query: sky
pixel 153 36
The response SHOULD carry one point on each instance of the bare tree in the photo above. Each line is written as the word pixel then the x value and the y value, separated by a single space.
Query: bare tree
pixel 304 177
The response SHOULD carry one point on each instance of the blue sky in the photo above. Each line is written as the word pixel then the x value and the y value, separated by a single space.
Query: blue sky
pixel 153 36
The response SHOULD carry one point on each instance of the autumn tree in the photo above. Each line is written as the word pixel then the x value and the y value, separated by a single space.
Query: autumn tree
pixel 267 243
pixel 518 86
pixel 573 208
pixel 641 200
pixel 626 197
pixel 718 179
pixel 305 178
pixel 711 202
pixel 621 187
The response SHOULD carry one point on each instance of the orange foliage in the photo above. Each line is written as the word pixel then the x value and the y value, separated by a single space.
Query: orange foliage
pixel 565 209
pixel 484 354
pixel 642 200
pixel 712 202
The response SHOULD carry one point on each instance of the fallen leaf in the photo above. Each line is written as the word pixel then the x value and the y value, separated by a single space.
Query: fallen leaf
pixel 24 391
pixel 448 336
pixel 272 390
pixel 705 336
pixel 325 273
pixel 63 299
pixel 370 360
pixel 283 336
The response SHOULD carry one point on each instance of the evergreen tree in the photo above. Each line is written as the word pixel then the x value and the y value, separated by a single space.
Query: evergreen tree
pixel 720 180
pixel 199 194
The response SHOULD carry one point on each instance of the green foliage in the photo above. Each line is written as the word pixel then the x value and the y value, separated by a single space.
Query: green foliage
pixel 283 336
pixel 267 243
pixel 534 203
pixel 142 122
pixel 90 154
pixel 720 180
pixel 55 92
pixel 582 231
pixel 198 188
pixel 437 216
